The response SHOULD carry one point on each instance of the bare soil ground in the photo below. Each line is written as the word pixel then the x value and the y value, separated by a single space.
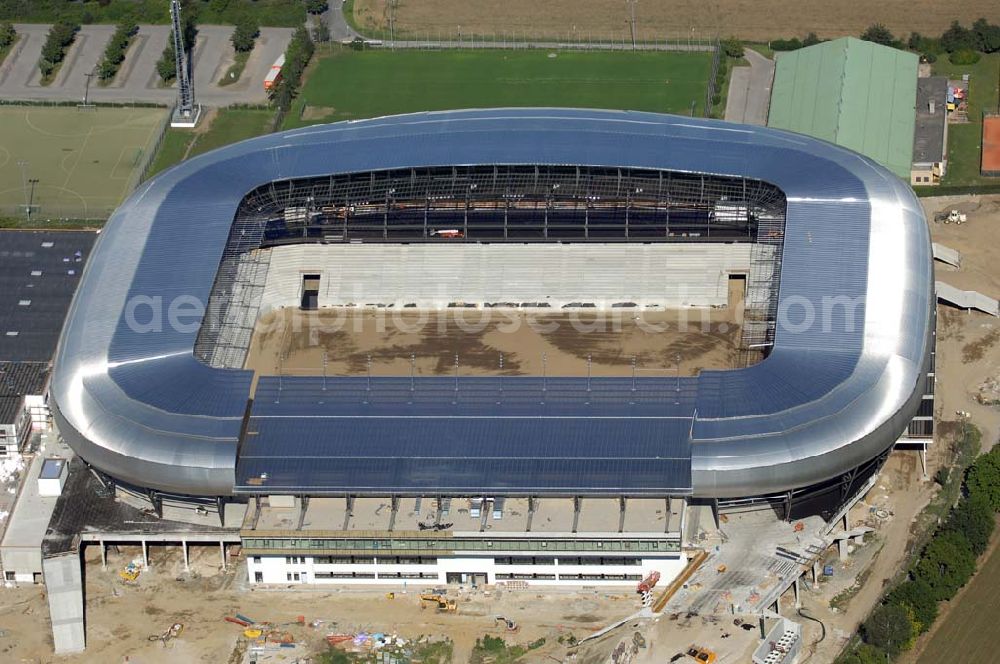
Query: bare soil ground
pixel 295 342
pixel 121 618
pixel 968 348
pixel 600 19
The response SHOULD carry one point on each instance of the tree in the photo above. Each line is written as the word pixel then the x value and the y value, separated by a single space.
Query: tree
pixel 60 36
pixel 316 6
pixel 946 565
pixel 7 35
pixel 983 478
pixel 792 44
pixel 165 66
pixel 811 39
pixel 987 36
pixel 218 6
pixel 245 34
pixel 973 517
pixel 918 597
pixel 889 628
pixel 106 70
pixel 733 47
pixel 321 32
pixel 879 34
pixel 957 38
pixel 863 654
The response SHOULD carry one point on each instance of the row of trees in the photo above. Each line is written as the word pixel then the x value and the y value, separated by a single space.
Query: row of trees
pixel 278 13
pixel 300 51
pixel 7 35
pixel 963 45
pixel 114 52
pixel 60 36
pixel 944 565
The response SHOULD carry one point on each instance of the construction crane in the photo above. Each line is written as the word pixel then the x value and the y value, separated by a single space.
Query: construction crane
pixel 442 603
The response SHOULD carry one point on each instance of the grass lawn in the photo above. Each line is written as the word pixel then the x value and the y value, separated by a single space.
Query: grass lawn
pixel 350 84
pixel 235 70
pixel 965 140
pixel 85 162
pixel 228 126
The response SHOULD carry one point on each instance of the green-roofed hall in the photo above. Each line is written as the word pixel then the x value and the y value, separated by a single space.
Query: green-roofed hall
pixel 853 93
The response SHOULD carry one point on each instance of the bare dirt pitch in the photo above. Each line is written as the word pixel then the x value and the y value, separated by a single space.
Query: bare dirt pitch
pixel 294 342
pixel 599 19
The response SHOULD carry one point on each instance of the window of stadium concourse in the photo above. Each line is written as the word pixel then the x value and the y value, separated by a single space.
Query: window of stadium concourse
pixel 407 546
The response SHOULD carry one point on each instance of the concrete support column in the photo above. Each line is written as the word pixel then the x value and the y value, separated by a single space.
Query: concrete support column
pixel 184 548
pixel 842 548
pixel 683 521
pixel 923 460
pixel 104 555
pixel 222 552
pixel 145 555
pixel 815 571
pixel 797 590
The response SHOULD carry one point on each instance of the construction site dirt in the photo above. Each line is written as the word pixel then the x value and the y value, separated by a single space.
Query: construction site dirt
pixel 494 342
pixel 124 618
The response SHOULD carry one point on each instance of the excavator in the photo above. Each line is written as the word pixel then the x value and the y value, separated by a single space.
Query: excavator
pixel 442 603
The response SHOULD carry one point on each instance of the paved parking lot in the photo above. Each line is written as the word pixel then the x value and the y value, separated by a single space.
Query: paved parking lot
pixel 137 80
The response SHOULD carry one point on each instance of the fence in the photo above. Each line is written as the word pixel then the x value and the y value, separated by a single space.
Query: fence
pixel 710 92
pixel 127 103
pixel 142 173
pixel 525 39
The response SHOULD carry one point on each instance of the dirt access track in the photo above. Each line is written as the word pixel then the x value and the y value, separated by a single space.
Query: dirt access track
pixel 758 20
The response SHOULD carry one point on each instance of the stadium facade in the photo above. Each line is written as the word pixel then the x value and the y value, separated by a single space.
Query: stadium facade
pixel 149 386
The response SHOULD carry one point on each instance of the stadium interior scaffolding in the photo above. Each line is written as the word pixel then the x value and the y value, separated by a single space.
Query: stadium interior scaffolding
pixel 494 203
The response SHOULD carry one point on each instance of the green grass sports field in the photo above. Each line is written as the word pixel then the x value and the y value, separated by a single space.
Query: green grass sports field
pixel 85 161
pixel 350 84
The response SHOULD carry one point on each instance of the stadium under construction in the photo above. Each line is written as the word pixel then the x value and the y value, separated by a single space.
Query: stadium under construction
pixel 483 476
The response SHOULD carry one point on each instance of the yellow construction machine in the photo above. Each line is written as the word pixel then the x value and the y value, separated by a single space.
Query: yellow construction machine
pixel 440 602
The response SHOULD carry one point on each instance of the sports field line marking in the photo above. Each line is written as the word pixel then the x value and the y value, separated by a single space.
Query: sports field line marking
pixel 41 188
pixel 125 148
pixel 133 119
pixel 43 132
pixel 69 176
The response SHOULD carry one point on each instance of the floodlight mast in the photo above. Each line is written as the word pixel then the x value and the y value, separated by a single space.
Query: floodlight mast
pixel 185 89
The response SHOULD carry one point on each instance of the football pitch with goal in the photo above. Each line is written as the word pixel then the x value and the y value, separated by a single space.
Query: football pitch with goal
pixel 348 84
pixel 81 163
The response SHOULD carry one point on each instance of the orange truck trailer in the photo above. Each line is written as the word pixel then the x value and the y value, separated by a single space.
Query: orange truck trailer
pixel 274 75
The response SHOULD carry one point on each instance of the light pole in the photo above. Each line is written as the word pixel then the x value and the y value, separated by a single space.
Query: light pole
pixel 86 90
pixel 23 165
pixel 31 196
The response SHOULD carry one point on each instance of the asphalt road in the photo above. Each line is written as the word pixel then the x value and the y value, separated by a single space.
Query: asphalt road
pixel 750 90
pixel 137 80
pixel 335 21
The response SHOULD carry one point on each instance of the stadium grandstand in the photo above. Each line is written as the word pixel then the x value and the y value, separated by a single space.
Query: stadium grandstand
pixel 477 474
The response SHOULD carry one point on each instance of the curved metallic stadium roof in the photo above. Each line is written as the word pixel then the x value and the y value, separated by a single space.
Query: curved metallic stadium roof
pixel 837 389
